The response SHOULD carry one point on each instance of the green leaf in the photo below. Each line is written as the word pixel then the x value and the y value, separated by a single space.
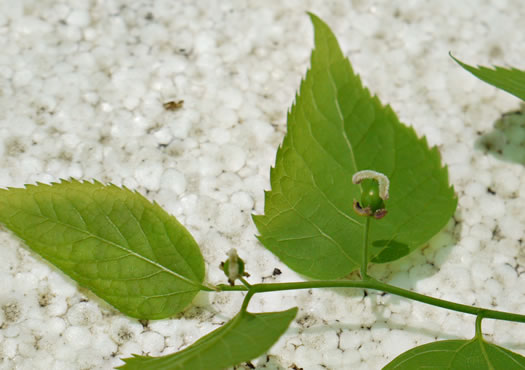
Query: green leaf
pixel 336 128
pixel 113 241
pixel 475 354
pixel 511 80
pixel 243 338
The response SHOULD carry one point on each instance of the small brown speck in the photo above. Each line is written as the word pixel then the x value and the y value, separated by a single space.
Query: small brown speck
pixel 173 105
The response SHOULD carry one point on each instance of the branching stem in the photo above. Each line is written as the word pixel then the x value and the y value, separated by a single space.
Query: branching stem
pixel 368 282
pixel 373 284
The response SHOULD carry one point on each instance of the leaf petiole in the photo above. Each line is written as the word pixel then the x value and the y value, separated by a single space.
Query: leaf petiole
pixel 364 263
pixel 244 282
pixel 479 333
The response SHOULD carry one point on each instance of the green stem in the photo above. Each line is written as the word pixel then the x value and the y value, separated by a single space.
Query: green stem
pixel 244 282
pixel 246 300
pixel 364 262
pixel 377 285
pixel 206 288
pixel 229 288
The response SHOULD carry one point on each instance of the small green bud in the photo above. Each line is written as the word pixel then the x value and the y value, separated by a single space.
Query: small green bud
pixel 233 267
pixel 375 191
pixel 370 195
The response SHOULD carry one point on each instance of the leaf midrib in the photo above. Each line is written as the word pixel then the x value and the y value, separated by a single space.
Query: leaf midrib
pixel 484 352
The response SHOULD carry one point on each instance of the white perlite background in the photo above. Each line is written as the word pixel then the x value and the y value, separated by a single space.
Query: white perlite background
pixel 82 87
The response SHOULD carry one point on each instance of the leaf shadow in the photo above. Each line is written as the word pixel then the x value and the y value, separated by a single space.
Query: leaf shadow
pixel 392 250
pixel 422 263
pixel 507 139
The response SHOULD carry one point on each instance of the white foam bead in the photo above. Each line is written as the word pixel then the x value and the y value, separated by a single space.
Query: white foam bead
pixel 181 127
pixel 491 206
pixel 11 331
pixel 175 64
pixel 261 130
pixel 304 355
pixel 87 358
pixel 26 280
pixel 26 346
pixel 154 33
pixel 22 77
pixel 10 261
pixel 203 42
pixel 232 157
pixel 231 97
pixel 396 342
pixel 456 153
pixel 55 326
pixel 79 18
pixel 352 360
pixel 225 117
pixel 60 283
pixel 242 200
pixel 9 347
pixel 368 351
pixel 84 314
pixel 505 181
pixel 152 343
pixel 475 189
pixel 128 349
pixel 40 361
pixel 481 271
pixel 209 166
pixel 131 102
pixel 148 174
pixel 174 180
pixel 511 227
pixel 70 33
pixel 165 328
pixel 220 136
pixel 229 219
pixel 481 232
pixel 102 347
pixel 77 337
pixel 228 183
pixel 6 72
pixel 505 273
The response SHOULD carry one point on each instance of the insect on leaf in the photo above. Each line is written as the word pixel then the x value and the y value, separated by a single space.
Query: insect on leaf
pixel 243 338
pixel 475 354
pixel 336 128
pixel 113 241
pixel 511 80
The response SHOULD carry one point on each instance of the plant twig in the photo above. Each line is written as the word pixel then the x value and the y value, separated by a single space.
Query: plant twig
pixel 373 284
